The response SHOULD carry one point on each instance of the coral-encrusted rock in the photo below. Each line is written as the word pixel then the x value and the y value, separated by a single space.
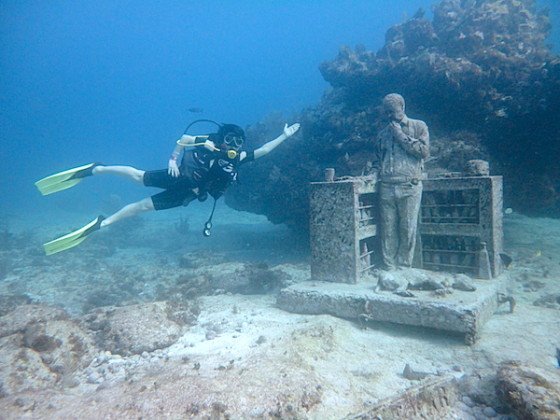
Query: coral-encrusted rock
pixel 22 315
pixel 479 74
pixel 533 393
pixel 137 328
pixel 40 348
pixel 64 347
pixel 21 368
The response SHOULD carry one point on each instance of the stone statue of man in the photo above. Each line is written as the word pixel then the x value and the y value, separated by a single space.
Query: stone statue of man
pixel 400 150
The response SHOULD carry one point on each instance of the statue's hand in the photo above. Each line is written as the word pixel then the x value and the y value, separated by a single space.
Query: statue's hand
pixel 396 131
pixel 291 130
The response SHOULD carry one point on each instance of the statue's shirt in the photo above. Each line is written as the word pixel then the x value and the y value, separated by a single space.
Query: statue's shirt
pixel 394 159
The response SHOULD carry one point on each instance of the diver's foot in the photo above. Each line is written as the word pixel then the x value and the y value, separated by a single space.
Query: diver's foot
pixel 89 171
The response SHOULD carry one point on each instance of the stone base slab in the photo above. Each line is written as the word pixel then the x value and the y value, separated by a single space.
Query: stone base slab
pixel 459 312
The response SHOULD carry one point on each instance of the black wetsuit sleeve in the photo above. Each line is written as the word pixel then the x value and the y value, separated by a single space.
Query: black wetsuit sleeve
pixel 249 157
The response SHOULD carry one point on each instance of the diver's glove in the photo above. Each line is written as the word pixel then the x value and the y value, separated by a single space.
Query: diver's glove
pixel 172 168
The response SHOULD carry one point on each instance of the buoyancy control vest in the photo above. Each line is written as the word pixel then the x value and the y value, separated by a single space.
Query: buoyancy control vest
pixel 211 171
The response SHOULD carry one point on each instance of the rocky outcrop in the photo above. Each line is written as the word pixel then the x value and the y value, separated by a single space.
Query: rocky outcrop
pixel 41 348
pixel 479 74
pixel 23 315
pixel 533 393
pixel 136 329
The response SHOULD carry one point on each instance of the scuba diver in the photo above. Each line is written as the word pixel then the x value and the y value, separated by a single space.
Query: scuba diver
pixel 208 169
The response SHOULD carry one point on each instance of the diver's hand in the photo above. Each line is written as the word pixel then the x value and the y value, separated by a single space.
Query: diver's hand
pixel 291 130
pixel 173 169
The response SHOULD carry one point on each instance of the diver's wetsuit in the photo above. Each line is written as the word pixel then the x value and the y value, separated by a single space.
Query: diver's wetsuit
pixel 202 172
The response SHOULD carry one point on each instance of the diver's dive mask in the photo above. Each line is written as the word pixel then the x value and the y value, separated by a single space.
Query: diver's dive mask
pixel 234 140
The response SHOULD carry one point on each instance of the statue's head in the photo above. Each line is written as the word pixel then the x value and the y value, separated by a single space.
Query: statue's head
pixel 393 104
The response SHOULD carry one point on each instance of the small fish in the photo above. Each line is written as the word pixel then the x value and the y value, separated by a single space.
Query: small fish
pixel 538 254
pixel 195 110
pixel 509 210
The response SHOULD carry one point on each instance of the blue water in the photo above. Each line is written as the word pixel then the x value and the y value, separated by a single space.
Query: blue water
pixel 113 81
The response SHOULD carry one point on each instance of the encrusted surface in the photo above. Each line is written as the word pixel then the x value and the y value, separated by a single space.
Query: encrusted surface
pixel 459 312
pixel 340 228
pixel 434 399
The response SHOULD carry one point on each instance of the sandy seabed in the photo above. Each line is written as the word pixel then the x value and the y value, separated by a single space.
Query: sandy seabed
pixel 216 346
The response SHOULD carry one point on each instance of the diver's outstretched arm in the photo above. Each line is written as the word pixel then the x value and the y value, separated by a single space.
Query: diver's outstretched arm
pixel 129 211
pixel 273 144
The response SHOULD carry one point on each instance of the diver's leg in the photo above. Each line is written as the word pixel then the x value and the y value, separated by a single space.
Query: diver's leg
pixel 129 172
pixel 129 211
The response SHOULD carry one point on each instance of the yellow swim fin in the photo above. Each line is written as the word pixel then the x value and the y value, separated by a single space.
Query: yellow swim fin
pixel 65 179
pixel 74 238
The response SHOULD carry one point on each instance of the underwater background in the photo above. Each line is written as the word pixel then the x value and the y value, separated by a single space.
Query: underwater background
pixel 117 82
pixel 114 81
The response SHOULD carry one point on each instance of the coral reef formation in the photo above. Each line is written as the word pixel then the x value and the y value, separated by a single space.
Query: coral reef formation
pixel 479 73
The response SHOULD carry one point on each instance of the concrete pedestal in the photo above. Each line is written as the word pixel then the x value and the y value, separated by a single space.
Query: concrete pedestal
pixel 460 312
